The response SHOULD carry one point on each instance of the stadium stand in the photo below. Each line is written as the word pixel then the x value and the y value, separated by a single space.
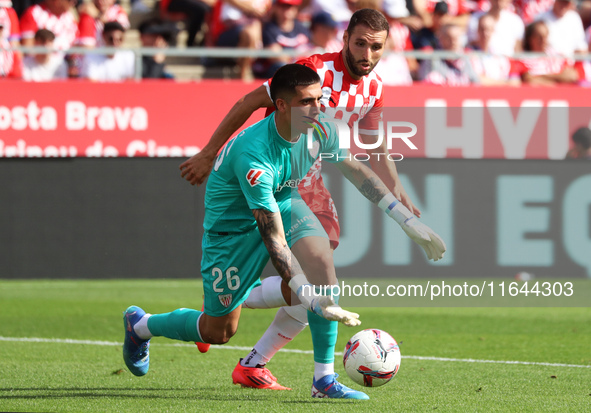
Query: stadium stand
pixel 196 66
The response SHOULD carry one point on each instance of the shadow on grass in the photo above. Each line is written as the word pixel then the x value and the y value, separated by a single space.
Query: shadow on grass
pixel 199 393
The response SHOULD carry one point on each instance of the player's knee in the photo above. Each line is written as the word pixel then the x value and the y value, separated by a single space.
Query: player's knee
pixel 216 331
pixel 222 337
pixel 321 260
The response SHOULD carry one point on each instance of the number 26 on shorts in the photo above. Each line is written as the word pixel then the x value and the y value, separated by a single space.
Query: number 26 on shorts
pixel 232 279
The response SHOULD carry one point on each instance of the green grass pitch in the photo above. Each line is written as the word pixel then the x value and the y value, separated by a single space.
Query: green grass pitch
pixel 87 374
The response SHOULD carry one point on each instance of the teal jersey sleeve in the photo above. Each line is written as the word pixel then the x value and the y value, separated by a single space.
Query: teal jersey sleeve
pixel 256 181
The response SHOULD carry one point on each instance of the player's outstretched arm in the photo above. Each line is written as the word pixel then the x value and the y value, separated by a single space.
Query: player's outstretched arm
pixel 197 168
pixel 388 173
pixel 371 187
pixel 288 267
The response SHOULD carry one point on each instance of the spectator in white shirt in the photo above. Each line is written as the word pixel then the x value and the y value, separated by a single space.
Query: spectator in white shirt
pixel 43 67
pixel 508 31
pixel 110 68
pixel 492 69
pixel 567 35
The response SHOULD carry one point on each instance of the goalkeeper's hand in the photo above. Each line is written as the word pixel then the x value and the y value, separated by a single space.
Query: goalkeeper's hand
pixel 417 231
pixel 323 305
pixel 424 236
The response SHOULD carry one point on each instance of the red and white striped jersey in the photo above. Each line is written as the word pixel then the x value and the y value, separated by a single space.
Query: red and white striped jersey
pixel 91 30
pixel 479 5
pixel 491 66
pixel 550 65
pixel 9 20
pixel 400 35
pixel 344 98
pixel 528 10
pixel 64 26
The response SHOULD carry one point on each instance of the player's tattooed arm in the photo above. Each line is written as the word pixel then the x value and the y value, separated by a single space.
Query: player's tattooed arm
pixel 365 180
pixel 387 171
pixel 271 230
pixel 373 189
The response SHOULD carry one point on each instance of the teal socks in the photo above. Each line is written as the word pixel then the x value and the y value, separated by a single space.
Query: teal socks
pixel 324 336
pixel 181 324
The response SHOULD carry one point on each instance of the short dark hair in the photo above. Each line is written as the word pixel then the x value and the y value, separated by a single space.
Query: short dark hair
pixel 441 8
pixel 371 18
pixel 288 78
pixel 113 26
pixel 44 35
pixel 582 137
pixel 160 27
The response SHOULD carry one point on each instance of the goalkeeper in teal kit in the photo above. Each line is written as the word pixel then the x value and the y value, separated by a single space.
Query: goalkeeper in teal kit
pixel 253 213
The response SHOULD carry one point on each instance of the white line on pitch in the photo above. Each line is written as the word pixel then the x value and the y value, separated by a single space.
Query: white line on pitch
pixel 285 350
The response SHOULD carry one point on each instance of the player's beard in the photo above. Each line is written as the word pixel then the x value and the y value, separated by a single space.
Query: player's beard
pixel 357 71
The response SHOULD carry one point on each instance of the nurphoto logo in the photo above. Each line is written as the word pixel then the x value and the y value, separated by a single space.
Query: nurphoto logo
pixel 389 130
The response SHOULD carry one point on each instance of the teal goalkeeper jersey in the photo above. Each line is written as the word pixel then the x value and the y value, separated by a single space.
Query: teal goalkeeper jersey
pixel 258 168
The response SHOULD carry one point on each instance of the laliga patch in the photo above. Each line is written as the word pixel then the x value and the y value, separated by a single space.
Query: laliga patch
pixel 253 176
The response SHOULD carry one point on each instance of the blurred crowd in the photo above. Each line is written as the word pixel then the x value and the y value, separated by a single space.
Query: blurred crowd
pixel 486 33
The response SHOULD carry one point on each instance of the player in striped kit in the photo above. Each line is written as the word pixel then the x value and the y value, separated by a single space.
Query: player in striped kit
pixel 351 91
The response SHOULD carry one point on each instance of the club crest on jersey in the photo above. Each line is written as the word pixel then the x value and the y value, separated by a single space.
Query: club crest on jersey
pixel 253 175
pixel 225 299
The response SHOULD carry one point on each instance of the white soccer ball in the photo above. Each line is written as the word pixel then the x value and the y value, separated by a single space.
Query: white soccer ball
pixel 371 358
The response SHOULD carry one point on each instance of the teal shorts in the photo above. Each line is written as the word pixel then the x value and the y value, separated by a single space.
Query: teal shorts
pixel 232 263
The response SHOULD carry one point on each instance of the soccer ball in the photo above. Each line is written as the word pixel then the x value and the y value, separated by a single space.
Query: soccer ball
pixel 371 358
